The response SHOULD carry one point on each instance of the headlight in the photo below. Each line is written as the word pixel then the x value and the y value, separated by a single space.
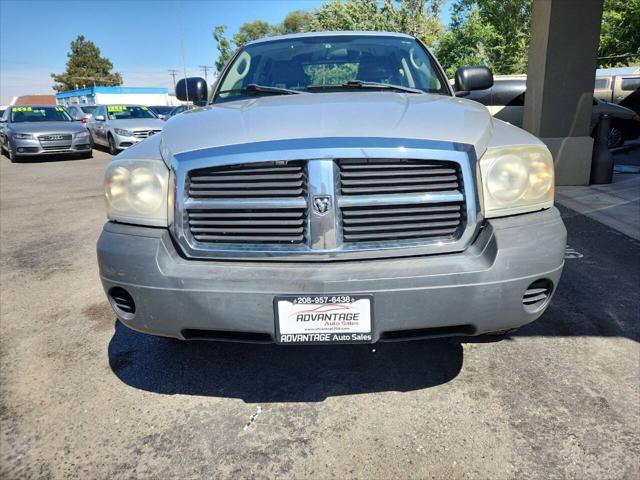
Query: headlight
pixel 124 133
pixel 82 134
pixel 23 136
pixel 516 180
pixel 136 192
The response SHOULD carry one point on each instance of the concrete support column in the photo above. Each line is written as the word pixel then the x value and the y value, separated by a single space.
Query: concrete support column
pixel 560 77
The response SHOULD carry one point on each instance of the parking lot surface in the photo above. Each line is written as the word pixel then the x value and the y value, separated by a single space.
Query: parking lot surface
pixel 83 396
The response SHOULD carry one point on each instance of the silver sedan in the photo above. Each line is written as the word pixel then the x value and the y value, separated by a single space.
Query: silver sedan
pixel 121 126
pixel 42 130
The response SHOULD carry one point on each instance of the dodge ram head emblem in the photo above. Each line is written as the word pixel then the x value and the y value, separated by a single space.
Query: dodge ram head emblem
pixel 321 204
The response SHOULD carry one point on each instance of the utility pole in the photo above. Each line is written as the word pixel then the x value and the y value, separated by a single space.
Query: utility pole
pixel 205 69
pixel 173 72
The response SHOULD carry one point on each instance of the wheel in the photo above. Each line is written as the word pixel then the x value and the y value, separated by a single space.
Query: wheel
pixel 615 138
pixel 112 146
pixel 11 154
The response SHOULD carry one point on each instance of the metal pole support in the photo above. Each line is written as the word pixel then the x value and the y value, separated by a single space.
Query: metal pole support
pixel 602 160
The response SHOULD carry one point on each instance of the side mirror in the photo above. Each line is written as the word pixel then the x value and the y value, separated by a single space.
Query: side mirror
pixel 192 89
pixel 99 118
pixel 472 78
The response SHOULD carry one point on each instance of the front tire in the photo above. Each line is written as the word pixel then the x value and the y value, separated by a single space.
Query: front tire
pixel 11 154
pixel 112 146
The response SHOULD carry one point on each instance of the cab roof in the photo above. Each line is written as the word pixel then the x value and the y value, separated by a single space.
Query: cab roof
pixel 351 33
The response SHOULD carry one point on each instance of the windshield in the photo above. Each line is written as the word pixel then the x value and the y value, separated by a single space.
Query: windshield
pixel 162 109
pixel 39 114
pixel 128 112
pixel 300 63
pixel 89 108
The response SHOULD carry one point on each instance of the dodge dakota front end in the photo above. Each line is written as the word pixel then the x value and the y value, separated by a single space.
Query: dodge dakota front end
pixel 333 190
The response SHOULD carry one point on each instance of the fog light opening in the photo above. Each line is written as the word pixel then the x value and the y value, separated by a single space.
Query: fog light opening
pixel 537 295
pixel 122 302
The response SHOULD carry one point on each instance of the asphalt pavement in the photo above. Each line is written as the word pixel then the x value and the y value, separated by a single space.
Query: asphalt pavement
pixel 83 396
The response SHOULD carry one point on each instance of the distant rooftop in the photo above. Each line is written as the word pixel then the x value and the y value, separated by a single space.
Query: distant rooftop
pixel 35 100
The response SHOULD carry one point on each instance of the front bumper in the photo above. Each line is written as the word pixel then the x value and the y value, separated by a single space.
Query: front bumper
pixel 123 142
pixel 476 291
pixel 34 147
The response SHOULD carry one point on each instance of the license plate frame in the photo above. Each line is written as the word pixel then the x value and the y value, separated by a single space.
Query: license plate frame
pixel 346 329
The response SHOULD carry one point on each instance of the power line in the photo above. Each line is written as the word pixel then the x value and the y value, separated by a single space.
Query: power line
pixel 173 72
pixel 205 69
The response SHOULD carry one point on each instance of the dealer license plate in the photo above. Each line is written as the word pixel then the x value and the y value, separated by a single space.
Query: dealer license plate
pixel 322 319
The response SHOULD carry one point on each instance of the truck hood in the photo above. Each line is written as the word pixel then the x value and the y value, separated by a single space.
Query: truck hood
pixel 342 114
pixel 47 127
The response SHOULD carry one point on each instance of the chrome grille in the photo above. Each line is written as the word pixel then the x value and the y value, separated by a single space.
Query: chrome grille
pixel 381 185
pixel 318 199
pixel 241 206
pixel 55 137
pixel 144 133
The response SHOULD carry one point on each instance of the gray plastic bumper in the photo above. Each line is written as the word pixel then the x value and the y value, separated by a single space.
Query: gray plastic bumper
pixel 481 288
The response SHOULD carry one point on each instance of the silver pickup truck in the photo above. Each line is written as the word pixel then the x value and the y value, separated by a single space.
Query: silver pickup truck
pixel 333 190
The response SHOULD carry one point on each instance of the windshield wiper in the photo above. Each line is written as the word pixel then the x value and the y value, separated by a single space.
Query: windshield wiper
pixel 357 84
pixel 256 89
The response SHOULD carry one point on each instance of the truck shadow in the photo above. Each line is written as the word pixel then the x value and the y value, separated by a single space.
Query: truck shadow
pixel 271 373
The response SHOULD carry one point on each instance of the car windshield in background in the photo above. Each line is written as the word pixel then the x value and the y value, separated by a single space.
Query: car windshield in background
pixel 88 108
pixel 128 112
pixel 330 63
pixel 161 109
pixel 39 114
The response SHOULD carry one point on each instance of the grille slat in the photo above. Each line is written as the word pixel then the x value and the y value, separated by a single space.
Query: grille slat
pixel 396 173
pixel 537 294
pixel 391 188
pixel 399 235
pixel 398 211
pixel 250 238
pixel 259 203
pixel 253 214
pixel 396 218
pixel 232 223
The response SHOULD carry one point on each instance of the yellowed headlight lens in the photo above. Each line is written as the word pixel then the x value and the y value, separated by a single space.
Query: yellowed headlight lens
pixel 516 180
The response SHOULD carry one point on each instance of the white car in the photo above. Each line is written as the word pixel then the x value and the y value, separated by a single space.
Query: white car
pixel 121 126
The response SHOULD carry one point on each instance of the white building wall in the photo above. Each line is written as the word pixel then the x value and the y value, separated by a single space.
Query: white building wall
pixel 136 98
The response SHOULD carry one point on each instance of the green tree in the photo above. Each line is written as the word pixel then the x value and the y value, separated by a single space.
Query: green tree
pixel 466 41
pixel 494 33
pixel 416 17
pixel 296 22
pixel 620 33
pixel 85 67
pixel 223 45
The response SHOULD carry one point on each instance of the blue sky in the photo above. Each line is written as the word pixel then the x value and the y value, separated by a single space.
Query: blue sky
pixel 142 38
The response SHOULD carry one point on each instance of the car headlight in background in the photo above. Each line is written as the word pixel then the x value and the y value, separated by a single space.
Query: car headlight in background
pixel 516 180
pixel 83 134
pixel 124 133
pixel 23 136
pixel 136 191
